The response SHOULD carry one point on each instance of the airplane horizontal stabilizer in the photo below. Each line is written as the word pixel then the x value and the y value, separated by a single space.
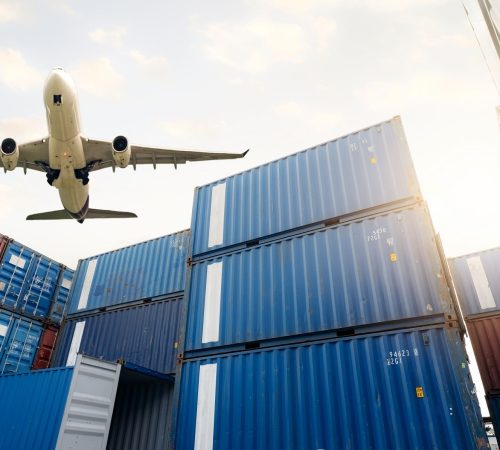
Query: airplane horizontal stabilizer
pixel 50 215
pixel 91 214
pixel 106 214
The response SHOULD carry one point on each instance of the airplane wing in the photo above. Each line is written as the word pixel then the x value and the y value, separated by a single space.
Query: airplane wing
pixel 100 155
pixel 33 155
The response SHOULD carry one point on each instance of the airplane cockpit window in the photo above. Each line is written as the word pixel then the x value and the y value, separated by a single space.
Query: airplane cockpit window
pixel 57 99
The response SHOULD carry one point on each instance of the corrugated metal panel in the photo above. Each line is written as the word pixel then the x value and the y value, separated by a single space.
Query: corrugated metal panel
pixel 406 390
pixel 145 335
pixel 381 269
pixel 4 242
pixel 87 416
pixel 19 337
pixel 45 348
pixel 363 170
pixel 61 296
pixel 27 280
pixel 150 269
pixel 485 338
pixel 33 406
pixel 141 416
pixel 494 407
pixel 477 280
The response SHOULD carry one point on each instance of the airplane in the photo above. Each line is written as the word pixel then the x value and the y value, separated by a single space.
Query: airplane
pixel 67 157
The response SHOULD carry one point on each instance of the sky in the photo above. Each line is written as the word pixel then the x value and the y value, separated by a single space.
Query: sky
pixel 275 76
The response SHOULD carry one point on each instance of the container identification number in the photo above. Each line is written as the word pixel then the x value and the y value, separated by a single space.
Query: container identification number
pixel 396 357
pixel 376 234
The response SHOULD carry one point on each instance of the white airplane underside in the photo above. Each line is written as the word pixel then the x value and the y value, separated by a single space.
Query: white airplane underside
pixel 68 158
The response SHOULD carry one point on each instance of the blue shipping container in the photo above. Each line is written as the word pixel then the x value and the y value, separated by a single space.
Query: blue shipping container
pixel 477 281
pixel 379 269
pixel 19 338
pixel 145 335
pixel 404 390
pixel 494 407
pixel 146 270
pixel 33 408
pixel 366 169
pixel 58 310
pixel 27 280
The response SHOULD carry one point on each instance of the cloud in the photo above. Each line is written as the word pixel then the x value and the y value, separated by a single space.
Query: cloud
pixel 307 118
pixel 155 66
pixel 253 46
pixel 112 36
pixel 16 73
pixel 423 88
pixel 190 128
pixel 99 78
pixel 298 7
pixel 10 12
pixel 24 129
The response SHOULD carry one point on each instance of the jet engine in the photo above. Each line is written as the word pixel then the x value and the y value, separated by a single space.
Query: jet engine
pixel 9 152
pixel 121 151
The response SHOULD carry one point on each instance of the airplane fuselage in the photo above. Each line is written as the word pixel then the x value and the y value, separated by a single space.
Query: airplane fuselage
pixel 65 143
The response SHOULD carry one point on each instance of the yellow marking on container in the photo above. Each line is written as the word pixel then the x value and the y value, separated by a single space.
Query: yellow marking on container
pixel 373 160
pixel 420 392
pixel 394 257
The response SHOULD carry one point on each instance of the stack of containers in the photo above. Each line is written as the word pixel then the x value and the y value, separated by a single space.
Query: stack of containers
pixel 126 304
pixel 33 296
pixel 477 281
pixel 317 301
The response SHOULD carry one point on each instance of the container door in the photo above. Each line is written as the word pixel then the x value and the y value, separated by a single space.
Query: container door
pixel 89 408
pixel 61 296
pixel 14 273
pixel 45 348
pixel 5 323
pixel 39 290
pixel 20 346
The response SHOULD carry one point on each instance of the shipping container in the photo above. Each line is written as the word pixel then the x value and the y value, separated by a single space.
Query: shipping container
pixel 493 402
pixel 73 407
pixel 477 281
pixel 484 335
pixel 27 280
pixel 404 390
pixel 150 269
pixel 19 338
pixel 141 417
pixel 33 405
pixel 351 174
pixel 145 335
pixel 45 348
pixel 380 269
pixel 60 302
pixel 4 242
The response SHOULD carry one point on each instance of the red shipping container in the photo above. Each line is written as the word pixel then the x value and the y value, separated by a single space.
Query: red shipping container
pixel 4 242
pixel 484 334
pixel 45 348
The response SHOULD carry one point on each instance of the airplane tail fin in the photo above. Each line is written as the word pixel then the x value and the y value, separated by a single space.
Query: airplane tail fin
pixel 62 214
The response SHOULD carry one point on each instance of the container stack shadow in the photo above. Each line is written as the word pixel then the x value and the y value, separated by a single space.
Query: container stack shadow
pixel 318 310
pixel 476 277
pixel 34 292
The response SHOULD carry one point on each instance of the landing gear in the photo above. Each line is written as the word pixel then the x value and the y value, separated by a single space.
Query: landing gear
pixel 52 175
pixel 83 174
